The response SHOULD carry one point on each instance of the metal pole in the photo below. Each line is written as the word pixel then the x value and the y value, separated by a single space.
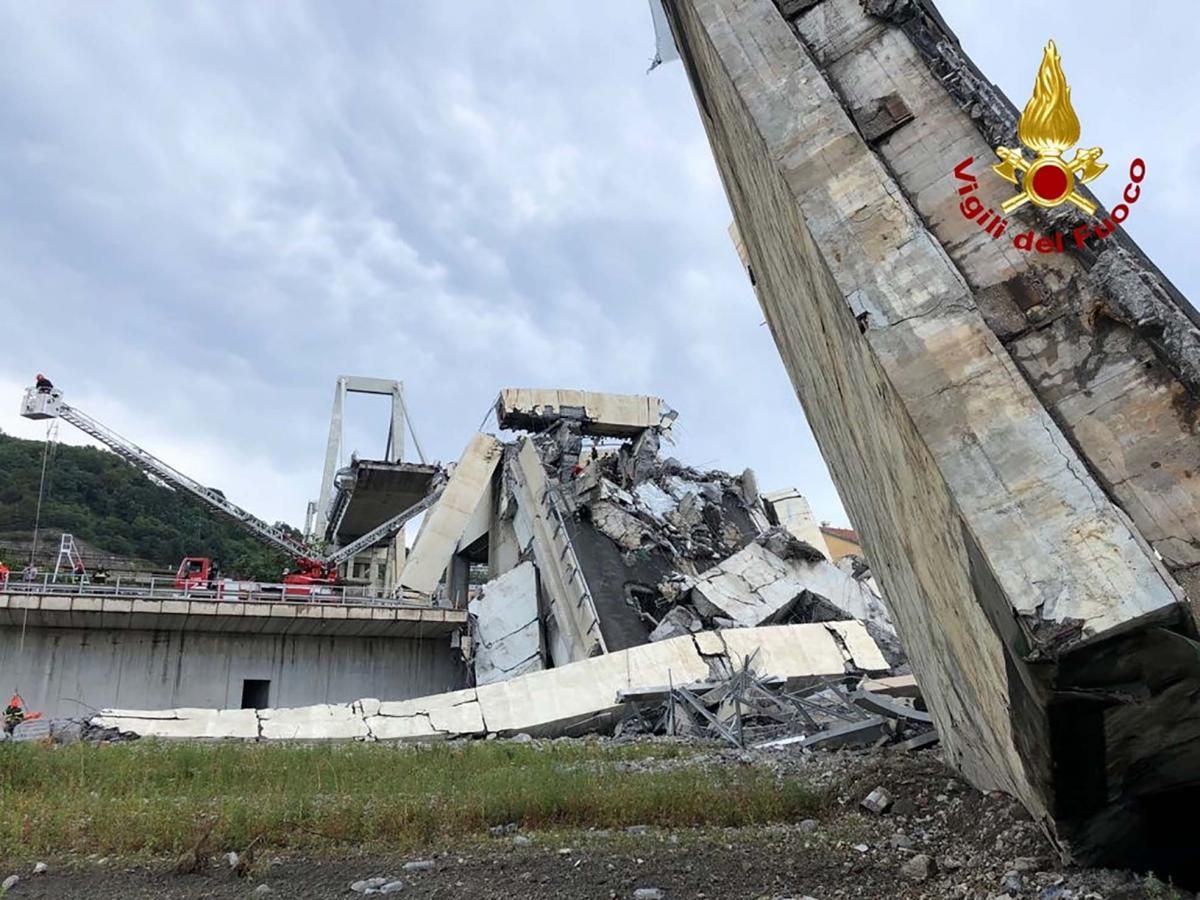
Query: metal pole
pixel 333 449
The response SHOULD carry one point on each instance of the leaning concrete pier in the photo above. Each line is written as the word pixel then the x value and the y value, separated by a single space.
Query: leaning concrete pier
pixel 1013 433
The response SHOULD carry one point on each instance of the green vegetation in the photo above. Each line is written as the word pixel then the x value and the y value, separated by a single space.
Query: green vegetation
pixel 98 497
pixel 1153 888
pixel 154 798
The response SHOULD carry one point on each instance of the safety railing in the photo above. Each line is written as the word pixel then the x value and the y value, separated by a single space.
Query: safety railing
pixel 166 588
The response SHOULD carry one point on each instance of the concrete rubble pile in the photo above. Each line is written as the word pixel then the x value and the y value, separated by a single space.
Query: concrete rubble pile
pixel 593 568
pixel 748 710
pixel 645 547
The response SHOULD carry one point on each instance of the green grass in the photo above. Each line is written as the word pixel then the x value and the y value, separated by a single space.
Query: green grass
pixel 149 797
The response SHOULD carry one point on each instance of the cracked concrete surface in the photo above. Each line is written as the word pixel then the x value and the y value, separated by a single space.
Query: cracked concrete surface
pixel 960 417
pixel 552 702
pixel 506 628
pixel 755 586
pixel 614 415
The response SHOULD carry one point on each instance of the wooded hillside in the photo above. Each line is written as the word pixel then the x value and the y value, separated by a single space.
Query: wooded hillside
pixel 96 496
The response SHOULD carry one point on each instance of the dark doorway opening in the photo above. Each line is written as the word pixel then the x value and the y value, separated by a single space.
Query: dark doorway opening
pixel 256 693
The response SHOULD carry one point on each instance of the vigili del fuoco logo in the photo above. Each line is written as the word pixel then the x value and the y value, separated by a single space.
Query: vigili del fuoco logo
pixel 1048 128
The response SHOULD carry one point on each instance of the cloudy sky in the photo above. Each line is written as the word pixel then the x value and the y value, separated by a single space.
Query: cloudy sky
pixel 209 211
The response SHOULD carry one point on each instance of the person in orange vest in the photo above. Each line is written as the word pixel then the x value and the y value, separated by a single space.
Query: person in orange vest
pixel 3 575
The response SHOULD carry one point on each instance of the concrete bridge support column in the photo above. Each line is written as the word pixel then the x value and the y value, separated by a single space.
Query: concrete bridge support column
pixel 1053 643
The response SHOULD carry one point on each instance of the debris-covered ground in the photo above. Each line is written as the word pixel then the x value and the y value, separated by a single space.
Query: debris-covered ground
pixel 748 711
pixel 937 838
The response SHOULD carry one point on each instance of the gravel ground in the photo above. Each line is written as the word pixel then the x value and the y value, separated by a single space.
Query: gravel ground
pixel 938 839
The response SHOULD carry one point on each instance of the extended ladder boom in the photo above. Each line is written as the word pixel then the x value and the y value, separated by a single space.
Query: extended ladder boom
pixel 40 404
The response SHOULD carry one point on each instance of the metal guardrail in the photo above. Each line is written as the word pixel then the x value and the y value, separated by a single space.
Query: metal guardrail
pixel 164 588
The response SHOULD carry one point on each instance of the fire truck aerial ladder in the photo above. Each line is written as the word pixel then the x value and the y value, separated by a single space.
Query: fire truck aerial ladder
pixel 43 401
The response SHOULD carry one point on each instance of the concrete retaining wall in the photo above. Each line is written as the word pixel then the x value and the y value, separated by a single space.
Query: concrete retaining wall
pixel 64 671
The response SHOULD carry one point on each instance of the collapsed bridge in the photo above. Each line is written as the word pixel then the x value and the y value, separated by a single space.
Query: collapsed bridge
pixel 1013 433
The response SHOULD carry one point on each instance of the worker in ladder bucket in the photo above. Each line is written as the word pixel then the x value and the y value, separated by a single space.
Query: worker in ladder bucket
pixel 44 384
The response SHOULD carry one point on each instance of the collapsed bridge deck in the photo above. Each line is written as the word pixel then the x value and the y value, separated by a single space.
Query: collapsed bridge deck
pixel 371 492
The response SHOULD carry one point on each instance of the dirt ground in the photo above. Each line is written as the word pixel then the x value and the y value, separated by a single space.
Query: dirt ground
pixel 939 839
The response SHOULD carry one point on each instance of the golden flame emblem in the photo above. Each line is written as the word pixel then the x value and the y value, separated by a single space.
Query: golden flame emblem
pixel 1049 127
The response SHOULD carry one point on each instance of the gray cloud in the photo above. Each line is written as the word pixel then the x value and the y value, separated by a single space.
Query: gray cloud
pixel 210 211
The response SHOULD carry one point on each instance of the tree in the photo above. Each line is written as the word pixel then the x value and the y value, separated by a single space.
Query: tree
pixel 101 499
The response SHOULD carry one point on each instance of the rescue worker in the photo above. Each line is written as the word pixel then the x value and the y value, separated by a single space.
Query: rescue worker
pixel 29 573
pixel 43 384
pixel 3 575
pixel 101 576
pixel 14 714
pixel 80 572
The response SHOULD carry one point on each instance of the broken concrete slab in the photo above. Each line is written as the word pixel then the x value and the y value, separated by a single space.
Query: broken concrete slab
pixel 505 627
pixel 369 492
pixel 480 523
pixel 562 699
pixel 638 460
pixel 182 723
pixel 679 620
pixel 445 524
pixel 776 655
pixel 326 721
pixel 637 533
pixel 654 499
pixel 582 696
pixel 892 686
pixel 756 585
pixel 790 509
pixel 896 709
pixel 852 734
pixel 569 699
pixel 367 706
pixel 659 692
pixel 453 714
pixel 626 530
pixel 749 587
pixel 610 415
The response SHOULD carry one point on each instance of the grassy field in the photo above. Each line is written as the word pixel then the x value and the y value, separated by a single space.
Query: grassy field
pixel 148 797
